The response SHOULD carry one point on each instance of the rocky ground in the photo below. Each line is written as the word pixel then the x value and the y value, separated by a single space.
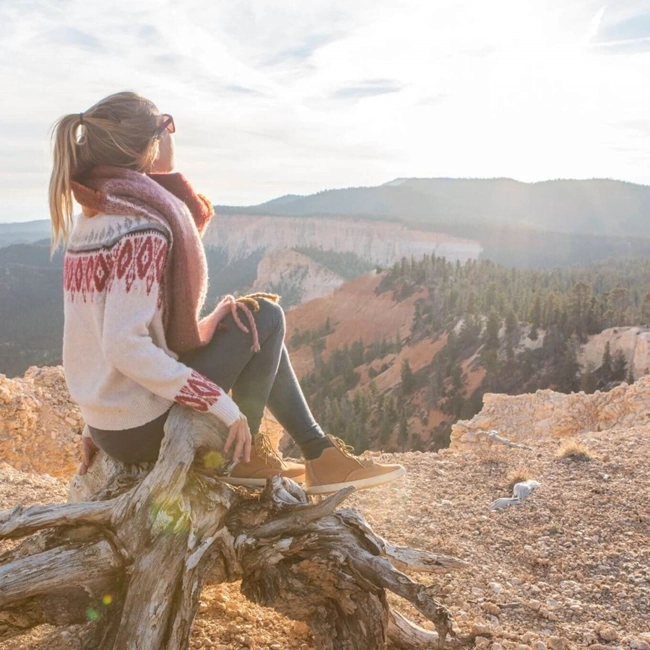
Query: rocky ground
pixel 567 568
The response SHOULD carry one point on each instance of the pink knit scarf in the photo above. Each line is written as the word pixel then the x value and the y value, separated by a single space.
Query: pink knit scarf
pixel 170 199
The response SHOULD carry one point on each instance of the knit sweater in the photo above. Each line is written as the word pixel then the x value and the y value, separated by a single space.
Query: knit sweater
pixel 118 366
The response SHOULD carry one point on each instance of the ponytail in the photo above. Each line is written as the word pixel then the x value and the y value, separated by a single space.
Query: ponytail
pixel 119 131
pixel 66 134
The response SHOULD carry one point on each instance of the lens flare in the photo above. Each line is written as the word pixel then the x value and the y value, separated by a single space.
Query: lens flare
pixel 92 614
pixel 107 599
pixel 213 459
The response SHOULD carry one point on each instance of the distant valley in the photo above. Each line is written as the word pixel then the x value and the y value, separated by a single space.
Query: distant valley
pixel 304 247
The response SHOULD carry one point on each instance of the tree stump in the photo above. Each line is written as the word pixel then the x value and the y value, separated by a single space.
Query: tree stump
pixel 135 545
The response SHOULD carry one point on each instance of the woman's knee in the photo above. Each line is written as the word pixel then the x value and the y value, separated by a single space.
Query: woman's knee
pixel 271 314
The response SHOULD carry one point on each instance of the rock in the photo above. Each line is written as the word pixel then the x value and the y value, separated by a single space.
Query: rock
pixel 639 645
pixel 491 608
pixel 546 415
pixel 607 633
pixel 539 645
pixel 558 643
pixel 480 629
pixel 481 642
pixel 496 587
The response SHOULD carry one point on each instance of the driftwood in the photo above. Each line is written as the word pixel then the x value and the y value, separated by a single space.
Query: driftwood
pixel 134 546
pixel 494 436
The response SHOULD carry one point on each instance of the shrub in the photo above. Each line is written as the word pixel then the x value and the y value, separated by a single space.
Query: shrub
pixel 517 475
pixel 572 450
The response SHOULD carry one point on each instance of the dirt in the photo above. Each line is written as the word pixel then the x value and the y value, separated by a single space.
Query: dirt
pixel 567 568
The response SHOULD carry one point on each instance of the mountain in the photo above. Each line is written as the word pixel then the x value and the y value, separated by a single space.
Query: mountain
pixel 31 307
pixel 531 225
pixel 597 207
pixel 24 232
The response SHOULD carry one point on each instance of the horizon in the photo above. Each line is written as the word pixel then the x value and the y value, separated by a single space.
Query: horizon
pixel 414 178
pixel 284 99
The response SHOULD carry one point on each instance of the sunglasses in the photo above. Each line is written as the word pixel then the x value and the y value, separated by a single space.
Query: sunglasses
pixel 166 125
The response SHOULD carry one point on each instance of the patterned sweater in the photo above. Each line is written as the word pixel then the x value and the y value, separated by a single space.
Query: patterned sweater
pixel 117 365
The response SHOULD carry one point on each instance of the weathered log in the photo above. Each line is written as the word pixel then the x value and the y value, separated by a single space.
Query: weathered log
pixel 136 545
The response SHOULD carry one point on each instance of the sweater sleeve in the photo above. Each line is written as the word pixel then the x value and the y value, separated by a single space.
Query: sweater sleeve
pixel 133 302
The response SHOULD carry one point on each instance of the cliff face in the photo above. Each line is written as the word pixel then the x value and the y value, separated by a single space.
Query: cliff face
pixel 378 242
pixel 295 276
pixel 633 341
pixel 40 426
pixel 545 415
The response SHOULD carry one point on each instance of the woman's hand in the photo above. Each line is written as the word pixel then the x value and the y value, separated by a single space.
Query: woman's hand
pixel 88 451
pixel 240 434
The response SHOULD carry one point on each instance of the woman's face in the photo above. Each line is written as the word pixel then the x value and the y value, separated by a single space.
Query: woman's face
pixel 165 161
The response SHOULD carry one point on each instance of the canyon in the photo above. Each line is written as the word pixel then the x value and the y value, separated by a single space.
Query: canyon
pixel 382 243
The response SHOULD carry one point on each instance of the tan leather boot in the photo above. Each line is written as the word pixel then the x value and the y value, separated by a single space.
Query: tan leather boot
pixel 336 468
pixel 265 462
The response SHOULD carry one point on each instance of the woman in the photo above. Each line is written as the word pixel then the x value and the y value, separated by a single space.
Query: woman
pixel 135 282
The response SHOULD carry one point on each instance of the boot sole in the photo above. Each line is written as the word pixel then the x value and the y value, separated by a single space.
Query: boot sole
pixel 256 482
pixel 361 484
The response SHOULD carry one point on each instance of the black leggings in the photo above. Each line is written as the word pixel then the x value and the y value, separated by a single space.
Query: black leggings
pixel 264 378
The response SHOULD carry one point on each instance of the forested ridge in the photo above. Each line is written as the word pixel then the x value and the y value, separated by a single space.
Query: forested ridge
pixel 515 330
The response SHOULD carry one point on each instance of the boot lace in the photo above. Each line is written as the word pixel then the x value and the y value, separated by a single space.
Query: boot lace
pixel 347 451
pixel 266 451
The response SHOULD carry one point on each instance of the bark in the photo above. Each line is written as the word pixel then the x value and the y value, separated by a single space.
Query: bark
pixel 135 546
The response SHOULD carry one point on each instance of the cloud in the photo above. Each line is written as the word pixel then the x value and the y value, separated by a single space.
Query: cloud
pixel 367 88
pixel 275 97
pixel 71 37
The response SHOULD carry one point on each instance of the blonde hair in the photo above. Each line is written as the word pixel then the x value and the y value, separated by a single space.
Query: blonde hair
pixel 118 131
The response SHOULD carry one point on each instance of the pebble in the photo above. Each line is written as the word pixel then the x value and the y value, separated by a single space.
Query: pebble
pixel 558 643
pixel 607 633
pixel 539 645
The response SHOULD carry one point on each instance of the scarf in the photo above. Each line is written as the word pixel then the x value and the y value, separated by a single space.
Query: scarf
pixel 170 199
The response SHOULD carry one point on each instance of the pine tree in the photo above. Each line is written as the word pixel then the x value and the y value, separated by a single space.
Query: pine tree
pixel 492 331
pixel 567 371
pixel 535 317
pixel 408 378
pixel 403 435
pixel 588 379
pixel 619 366
pixel 606 366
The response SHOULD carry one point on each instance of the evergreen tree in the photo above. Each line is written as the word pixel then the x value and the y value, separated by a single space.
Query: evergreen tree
pixel 567 370
pixel 619 366
pixel 408 378
pixel 492 331
pixel 403 435
pixel 606 370
pixel 588 380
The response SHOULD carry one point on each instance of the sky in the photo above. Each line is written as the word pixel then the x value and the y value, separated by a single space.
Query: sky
pixel 286 97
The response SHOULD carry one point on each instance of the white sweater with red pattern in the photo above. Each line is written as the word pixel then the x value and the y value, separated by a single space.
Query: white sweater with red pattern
pixel 117 365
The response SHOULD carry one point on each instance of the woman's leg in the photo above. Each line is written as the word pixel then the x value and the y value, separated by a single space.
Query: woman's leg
pixel 288 404
pixel 229 361
pixel 261 378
